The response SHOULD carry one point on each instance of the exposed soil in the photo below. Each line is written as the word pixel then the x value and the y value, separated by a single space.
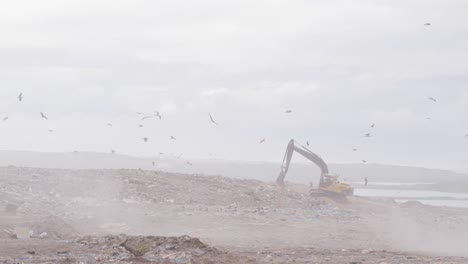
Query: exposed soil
pixel 134 216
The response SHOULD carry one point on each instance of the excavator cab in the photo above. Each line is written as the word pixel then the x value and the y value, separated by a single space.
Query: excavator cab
pixel 328 179
pixel 329 183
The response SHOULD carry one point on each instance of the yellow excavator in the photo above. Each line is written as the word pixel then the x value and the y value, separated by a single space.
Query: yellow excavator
pixel 329 184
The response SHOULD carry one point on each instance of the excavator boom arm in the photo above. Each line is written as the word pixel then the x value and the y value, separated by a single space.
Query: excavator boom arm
pixel 304 152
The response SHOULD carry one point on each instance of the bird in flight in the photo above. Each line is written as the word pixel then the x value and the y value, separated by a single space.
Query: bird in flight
pixel 354 149
pixel 367 135
pixel 153 163
pixel 109 124
pixel 372 126
pixel 20 97
pixel 158 115
pixel 212 120
pixel 432 99
pixel 145 139
pixel 43 116
pixel 112 151
pixel 307 143
pixel 5 118
pixel 261 141
pixel 427 24
pixel 466 135
pixel 51 130
pixel 145 117
pixel 161 153
pixel 364 161
pixel 288 111
pixel 189 163
pixel 173 138
pixel 140 125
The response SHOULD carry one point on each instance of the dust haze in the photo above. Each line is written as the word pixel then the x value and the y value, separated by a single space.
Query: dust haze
pixel 233 132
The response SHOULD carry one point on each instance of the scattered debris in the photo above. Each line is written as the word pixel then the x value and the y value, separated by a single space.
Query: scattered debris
pixel 55 208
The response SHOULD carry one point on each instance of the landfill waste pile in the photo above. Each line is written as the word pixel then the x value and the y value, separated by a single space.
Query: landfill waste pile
pixel 137 216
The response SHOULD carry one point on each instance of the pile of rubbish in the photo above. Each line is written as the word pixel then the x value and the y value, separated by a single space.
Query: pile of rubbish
pixel 123 249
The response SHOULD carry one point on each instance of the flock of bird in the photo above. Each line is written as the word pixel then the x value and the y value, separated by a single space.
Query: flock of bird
pixel 369 135
pixel 144 116
pixel 157 114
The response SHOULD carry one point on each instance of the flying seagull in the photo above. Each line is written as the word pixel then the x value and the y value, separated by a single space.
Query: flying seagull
pixel 51 130
pixel 288 111
pixel 466 135
pixel 173 138
pixel 161 153
pixel 261 141
pixel 364 161
pixel 372 126
pixel 140 125
pixel 158 115
pixel 145 117
pixel 5 118
pixel 109 124
pixel 427 24
pixel 432 99
pixel 43 116
pixel 212 120
pixel 20 97
pixel 367 135
pixel 354 149
pixel 112 151
pixel 189 163
pixel 145 139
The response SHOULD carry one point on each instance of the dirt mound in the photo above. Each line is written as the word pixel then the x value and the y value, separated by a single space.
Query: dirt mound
pixel 246 214
pixel 141 245
pixel 162 187
pixel 155 249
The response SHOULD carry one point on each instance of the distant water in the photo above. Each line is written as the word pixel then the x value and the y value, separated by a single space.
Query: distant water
pixel 393 183
pixel 434 198
pixel 446 203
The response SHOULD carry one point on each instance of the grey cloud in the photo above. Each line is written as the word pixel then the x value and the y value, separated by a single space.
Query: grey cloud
pixel 339 65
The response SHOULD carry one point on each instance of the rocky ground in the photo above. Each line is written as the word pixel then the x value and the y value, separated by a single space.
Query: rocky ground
pixel 134 216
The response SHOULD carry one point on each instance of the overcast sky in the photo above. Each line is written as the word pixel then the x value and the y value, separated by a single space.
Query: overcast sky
pixel 339 65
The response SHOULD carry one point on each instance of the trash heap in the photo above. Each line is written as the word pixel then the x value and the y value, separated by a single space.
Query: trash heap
pixel 122 248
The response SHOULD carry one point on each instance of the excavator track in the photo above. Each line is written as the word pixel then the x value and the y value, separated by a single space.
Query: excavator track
pixel 337 197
